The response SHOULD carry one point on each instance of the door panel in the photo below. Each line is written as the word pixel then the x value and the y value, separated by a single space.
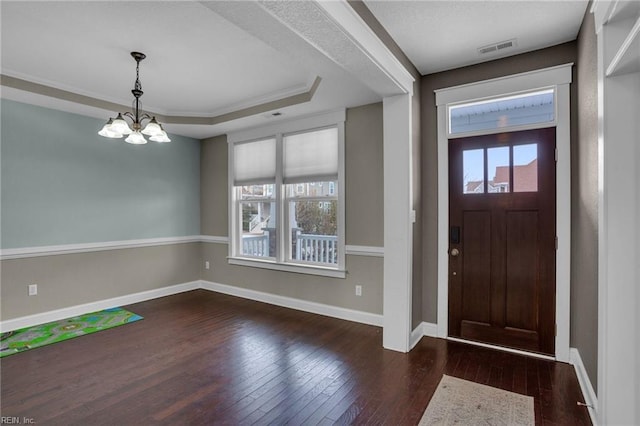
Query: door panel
pixel 502 267
pixel 476 262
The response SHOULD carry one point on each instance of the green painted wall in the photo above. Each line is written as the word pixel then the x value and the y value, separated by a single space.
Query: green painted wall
pixel 62 183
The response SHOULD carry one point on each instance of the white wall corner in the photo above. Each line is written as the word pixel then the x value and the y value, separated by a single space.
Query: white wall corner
pixel 424 329
pixel 588 393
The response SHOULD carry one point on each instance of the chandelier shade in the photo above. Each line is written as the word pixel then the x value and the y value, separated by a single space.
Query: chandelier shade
pixel 119 127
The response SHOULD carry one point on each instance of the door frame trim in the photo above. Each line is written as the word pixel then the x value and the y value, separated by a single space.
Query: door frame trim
pixel 558 77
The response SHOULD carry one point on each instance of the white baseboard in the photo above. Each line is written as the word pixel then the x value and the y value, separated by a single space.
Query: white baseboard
pixel 72 311
pixel 300 305
pixel 588 393
pixel 287 302
pixel 427 329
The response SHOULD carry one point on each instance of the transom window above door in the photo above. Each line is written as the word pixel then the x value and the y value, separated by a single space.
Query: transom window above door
pixel 517 111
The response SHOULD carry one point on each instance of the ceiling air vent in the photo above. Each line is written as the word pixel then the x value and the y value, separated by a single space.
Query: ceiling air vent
pixel 495 47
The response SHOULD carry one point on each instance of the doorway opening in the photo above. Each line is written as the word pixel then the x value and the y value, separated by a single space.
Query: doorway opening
pixel 472 101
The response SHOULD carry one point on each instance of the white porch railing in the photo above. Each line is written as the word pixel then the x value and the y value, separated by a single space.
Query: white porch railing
pixel 317 248
pixel 308 247
pixel 255 245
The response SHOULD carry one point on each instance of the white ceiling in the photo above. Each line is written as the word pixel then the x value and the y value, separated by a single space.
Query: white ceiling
pixel 205 59
pixel 441 35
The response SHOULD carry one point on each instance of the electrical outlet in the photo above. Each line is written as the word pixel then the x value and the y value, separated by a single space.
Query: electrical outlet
pixel 33 289
pixel 206 265
pixel 358 290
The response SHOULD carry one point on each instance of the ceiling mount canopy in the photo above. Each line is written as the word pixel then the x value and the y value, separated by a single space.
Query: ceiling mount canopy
pixel 118 127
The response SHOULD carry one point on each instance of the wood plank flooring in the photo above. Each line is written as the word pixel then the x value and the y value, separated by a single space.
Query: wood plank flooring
pixel 202 358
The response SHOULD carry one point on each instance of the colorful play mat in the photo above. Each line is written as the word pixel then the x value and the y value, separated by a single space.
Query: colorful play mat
pixel 27 338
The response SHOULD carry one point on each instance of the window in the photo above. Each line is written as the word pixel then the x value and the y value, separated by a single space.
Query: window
pixel 499 170
pixel 507 111
pixel 287 202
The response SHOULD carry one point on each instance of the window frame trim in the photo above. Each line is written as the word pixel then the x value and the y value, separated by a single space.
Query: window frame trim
pixel 279 130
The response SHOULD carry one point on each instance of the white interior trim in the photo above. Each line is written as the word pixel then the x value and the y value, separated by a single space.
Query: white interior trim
pixel 214 239
pixel 398 227
pixel 424 329
pixel 558 77
pixel 361 35
pixel 373 251
pixel 495 87
pixel 19 253
pixel 585 384
pixel 72 311
pixel 618 211
pixel 273 299
pixel 298 304
pixel 288 267
pixel 25 252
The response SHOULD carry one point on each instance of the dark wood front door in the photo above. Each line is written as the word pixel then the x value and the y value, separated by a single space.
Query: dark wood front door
pixel 502 217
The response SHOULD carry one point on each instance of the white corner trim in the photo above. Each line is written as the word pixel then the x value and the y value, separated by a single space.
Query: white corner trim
pixel 430 329
pixel 19 253
pixel 424 329
pixel 300 305
pixel 72 311
pixel 373 251
pixel 585 384
pixel 415 336
pixel 214 239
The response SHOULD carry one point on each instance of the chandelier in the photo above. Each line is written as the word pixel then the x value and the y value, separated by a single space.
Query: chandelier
pixel 118 127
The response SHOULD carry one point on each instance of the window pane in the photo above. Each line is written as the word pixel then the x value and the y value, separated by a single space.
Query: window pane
pixel 509 111
pixel 525 168
pixel 250 192
pixel 498 168
pixel 314 232
pixel 258 229
pixel 473 171
pixel 312 189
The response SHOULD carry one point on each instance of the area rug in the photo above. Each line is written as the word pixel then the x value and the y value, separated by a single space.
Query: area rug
pixel 27 338
pixel 460 402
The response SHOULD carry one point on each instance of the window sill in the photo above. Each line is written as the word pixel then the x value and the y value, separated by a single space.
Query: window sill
pixel 286 267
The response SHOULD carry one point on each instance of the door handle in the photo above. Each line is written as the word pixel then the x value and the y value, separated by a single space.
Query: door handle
pixel 454 252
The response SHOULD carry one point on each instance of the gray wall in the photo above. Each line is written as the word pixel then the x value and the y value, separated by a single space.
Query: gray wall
pixel 556 55
pixel 62 183
pixel 74 279
pixel 584 244
pixel 364 222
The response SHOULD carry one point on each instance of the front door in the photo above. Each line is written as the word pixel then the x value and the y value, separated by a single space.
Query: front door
pixel 502 242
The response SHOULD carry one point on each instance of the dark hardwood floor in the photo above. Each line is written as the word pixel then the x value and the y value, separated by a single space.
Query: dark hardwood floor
pixel 206 358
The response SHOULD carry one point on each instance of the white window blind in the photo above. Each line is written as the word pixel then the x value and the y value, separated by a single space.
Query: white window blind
pixel 311 156
pixel 254 162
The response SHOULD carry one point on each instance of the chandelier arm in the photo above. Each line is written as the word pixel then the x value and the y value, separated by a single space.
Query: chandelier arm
pixel 129 115
pixel 145 116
